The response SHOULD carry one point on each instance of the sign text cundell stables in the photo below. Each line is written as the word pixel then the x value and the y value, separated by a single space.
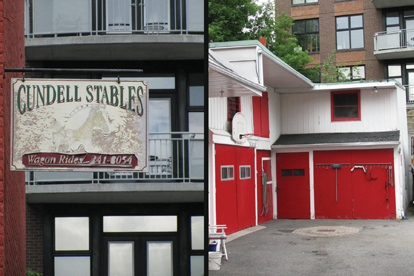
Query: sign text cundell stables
pixel 79 125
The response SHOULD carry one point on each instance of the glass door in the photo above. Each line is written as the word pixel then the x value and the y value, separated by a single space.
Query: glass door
pixel 140 255
pixel 121 259
pixel 409 24
pixel 118 16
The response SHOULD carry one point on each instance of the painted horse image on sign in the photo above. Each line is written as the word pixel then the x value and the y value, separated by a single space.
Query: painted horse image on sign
pixel 79 125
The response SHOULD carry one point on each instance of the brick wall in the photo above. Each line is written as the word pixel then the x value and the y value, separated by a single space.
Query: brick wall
pixel 372 25
pixel 1 142
pixel 34 237
pixel 327 35
pixel 12 188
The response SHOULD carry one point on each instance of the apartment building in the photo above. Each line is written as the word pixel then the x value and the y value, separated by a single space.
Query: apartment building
pixel 102 222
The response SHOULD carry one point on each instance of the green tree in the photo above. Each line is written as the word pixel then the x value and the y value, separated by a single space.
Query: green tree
pixel 251 21
pixel 228 18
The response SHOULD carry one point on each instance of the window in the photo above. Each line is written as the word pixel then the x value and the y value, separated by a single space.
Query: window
pixel 121 224
pixel 71 250
pixel 300 2
pixel 392 21
pixel 195 109
pixel 227 173
pixel 245 172
pixel 108 239
pixel 349 32
pixel 345 106
pixel 394 72
pixel 353 73
pixel 307 34
pixel 197 246
pixel 293 172
pixel 233 106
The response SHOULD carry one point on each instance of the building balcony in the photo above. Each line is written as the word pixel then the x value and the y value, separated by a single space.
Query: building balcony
pixel 394 45
pixel 114 30
pixel 382 4
pixel 175 174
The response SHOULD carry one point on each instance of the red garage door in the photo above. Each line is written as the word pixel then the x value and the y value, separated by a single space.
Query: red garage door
pixel 354 184
pixel 293 193
pixel 235 187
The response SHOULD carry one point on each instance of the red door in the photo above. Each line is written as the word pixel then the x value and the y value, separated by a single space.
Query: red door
pixel 332 186
pixel 246 207
pixel 293 193
pixel 226 190
pixel 264 198
pixel 373 189
pixel 362 188
pixel 235 187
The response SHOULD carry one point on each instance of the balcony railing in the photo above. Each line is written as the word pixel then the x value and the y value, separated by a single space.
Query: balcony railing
pixel 173 157
pixel 409 89
pixel 390 40
pixel 52 18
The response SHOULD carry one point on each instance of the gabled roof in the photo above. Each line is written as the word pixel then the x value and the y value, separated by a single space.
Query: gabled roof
pixel 228 81
pixel 276 73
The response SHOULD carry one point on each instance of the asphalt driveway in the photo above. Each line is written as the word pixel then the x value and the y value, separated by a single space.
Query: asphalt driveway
pixel 335 247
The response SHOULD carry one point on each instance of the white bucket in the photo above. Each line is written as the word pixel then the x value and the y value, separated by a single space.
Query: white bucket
pixel 214 260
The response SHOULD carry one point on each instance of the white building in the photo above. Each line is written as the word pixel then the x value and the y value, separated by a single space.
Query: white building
pixel 328 150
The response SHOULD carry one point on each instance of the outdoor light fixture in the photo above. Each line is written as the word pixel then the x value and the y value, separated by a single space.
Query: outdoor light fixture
pixel 375 89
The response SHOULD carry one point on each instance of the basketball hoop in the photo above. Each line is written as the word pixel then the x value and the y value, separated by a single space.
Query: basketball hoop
pixel 239 126
pixel 251 139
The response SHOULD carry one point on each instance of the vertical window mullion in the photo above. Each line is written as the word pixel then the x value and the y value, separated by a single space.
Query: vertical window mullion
pixel 349 32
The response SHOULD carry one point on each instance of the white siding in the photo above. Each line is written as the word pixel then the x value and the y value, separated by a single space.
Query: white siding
pixel 311 113
pixel 218 113
pixel 274 116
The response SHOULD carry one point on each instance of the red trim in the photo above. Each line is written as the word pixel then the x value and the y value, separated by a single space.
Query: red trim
pixel 333 119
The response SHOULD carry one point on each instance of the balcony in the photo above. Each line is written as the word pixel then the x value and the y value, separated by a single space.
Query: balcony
pixel 394 45
pixel 111 29
pixel 175 173
pixel 382 4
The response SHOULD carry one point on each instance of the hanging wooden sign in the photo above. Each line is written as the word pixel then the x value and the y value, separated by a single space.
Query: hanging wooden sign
pixel 78 125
